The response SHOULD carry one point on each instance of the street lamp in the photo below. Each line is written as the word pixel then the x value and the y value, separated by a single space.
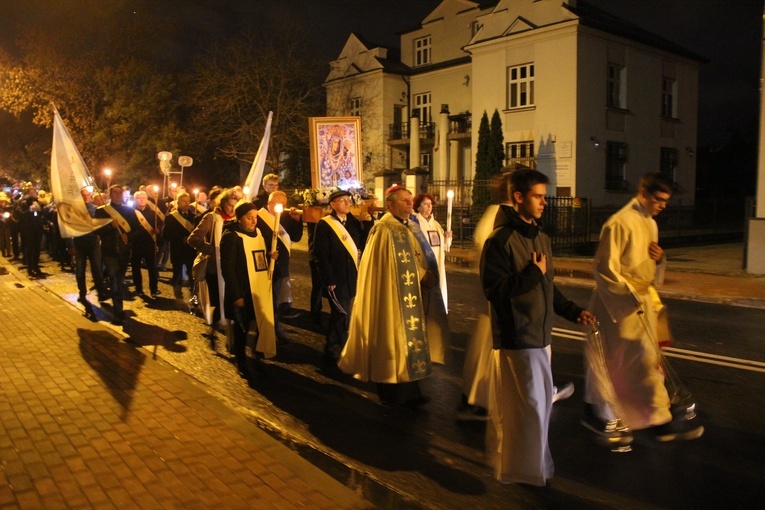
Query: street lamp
pixel 164 158
pixel 108 177
pixel 184 161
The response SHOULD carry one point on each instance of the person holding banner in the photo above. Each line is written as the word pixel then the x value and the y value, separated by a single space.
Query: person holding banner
pixel 248 299
pixel 338 242
pixel 290 230
pixel 145 245
pixel 116 243
pixel 88 248
pixel 270 184
pixel 178 226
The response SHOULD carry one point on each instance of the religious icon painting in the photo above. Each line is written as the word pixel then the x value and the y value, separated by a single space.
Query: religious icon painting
pixel 259 256
pixel 335 152
pixel 433 237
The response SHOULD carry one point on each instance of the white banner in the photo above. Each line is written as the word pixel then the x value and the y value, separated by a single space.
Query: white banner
pixel 68 175
pixel 252 183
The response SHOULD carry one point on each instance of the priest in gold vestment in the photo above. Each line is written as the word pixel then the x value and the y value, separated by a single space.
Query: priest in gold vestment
pixel 387 341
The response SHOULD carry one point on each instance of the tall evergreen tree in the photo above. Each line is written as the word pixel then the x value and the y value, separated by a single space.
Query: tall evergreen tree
pixel 481 193
pixel 496 150
pixel 489 161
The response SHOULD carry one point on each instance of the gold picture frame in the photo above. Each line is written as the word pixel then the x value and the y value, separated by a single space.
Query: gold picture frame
pixel 335 152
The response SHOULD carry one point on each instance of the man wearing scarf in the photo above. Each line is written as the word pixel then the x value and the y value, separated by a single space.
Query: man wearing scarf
pixel 116 242
pixel 178 226
pixel 337 246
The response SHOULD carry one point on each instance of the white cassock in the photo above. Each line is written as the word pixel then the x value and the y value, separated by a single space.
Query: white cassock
pixel 517 435
pixel 625 276
pixel 475 373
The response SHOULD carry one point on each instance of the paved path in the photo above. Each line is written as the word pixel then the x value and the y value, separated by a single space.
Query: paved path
pixel 90 421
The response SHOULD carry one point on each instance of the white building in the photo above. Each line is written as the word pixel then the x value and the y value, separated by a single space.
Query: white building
pixel 589 99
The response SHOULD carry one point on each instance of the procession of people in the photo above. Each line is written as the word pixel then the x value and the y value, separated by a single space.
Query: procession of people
pixel 385 280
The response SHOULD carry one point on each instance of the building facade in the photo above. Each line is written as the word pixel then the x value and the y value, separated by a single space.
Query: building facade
pixel 590 100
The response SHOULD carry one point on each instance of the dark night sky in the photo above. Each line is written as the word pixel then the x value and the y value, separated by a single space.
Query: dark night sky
pixel 726 32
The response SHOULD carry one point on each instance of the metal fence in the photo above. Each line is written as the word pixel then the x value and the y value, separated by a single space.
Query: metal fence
pixel 573 225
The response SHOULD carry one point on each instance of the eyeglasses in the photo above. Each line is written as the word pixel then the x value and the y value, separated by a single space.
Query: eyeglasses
pixel 661 200
pixel 343 200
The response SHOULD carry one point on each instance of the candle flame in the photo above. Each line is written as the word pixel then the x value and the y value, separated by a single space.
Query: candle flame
pixel 450 194
pixel 278 208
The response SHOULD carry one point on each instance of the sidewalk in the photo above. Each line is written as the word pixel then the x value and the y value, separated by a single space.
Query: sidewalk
pixel 710 274
pixel 89 421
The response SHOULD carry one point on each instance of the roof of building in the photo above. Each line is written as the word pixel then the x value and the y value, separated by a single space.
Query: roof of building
pixel 596 18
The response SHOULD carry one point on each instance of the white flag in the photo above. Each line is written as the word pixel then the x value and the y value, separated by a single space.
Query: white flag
pixel 68 175
pixel 252 183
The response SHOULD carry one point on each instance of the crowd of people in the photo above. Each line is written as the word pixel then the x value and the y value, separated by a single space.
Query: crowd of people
pixel 384 278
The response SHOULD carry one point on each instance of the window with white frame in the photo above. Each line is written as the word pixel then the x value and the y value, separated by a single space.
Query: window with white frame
pixel 422 51
pixel 354 107
pixel 616 166
pixel 520 86
pixel 520 152
pixel 616 91
pixel 668 95
pixel 422 101
pixel 668 163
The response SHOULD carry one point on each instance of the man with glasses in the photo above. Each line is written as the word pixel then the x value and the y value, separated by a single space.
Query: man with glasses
pixel 629 262
pixel 337 246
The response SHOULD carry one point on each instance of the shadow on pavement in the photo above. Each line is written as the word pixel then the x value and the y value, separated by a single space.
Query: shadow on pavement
pixel 143 334
pixel 393 438
pixel 117 364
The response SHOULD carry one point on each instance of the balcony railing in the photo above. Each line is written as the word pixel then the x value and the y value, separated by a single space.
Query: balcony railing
pixel 402 131
pixel 527 162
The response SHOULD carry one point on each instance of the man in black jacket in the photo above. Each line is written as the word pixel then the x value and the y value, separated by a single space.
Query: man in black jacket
pixel 337 245
pixel 116 243
pixel 179 224
pixel 517 279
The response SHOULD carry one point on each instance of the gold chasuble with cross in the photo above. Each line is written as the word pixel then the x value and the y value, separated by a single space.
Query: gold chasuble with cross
pixel 387 341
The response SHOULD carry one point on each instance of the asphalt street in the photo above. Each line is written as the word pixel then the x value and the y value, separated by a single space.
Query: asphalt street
pixel 404 458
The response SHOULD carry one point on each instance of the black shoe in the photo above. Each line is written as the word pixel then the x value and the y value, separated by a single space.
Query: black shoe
pixel 289 313
pixel 139 292
pixel 468 412
pixel 614 432
pixel 155 293
pixel 282 340
pixel 678 430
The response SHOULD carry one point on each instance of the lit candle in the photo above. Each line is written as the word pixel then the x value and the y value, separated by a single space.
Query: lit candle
pixel 278 208
pixel 449 200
